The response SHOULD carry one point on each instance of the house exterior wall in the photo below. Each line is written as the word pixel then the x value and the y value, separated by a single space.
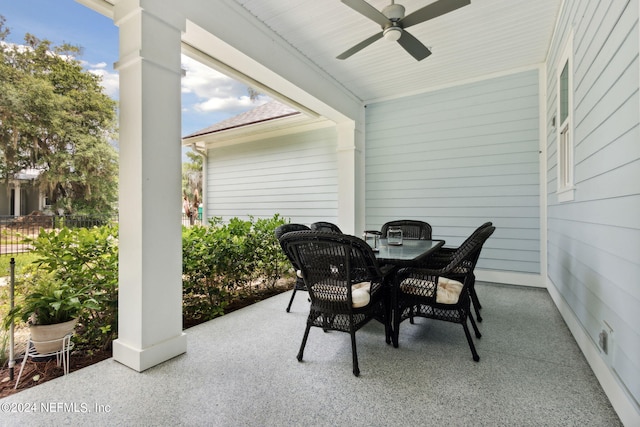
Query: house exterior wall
pixel 5 200
pixel 29 198
pixel 458 157
pixel 594 240
pixel 294 175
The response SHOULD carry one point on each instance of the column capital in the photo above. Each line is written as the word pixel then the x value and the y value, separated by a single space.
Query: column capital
pixel 168 11
pixel 150 31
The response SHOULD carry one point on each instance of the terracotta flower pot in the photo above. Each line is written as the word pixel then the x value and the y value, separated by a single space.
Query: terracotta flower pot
pixel 48 338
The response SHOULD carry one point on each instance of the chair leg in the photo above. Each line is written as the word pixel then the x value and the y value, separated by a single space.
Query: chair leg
pixel 474 353
pixel 475 302
pixel 395 330
pixel 304 342
pixel 354 352
pixel 475 327
pixel 388 330
pixel 291 300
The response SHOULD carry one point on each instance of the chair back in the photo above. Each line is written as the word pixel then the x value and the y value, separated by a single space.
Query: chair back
pixel 473 257
pixel 411 229
pixel 288 228
pixel 469 249
pixel 331 264
pixel 325 226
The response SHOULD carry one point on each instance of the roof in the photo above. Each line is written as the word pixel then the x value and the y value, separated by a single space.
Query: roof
pixel 272 110
pixel 27 174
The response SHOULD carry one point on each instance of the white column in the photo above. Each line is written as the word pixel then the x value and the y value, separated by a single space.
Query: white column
pixel 150 284
pixel 351 195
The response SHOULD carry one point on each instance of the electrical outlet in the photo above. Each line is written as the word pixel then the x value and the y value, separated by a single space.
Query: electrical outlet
pixel 606 343
pixel 603 341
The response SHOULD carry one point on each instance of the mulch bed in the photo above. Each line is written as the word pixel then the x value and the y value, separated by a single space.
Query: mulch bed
pixel 39 372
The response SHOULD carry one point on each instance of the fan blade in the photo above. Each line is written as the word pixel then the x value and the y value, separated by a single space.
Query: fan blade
pixel 367 10
pixel 413 46
pixel 432 11
pixel 357 48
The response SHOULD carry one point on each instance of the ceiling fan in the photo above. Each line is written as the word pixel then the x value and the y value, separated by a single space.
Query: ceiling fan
pixel 394 24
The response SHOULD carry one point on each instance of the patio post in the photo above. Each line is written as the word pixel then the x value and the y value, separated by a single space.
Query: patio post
pixel 150 283
pixel 350 147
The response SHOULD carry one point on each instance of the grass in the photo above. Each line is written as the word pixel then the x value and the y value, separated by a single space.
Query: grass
pixel 20 259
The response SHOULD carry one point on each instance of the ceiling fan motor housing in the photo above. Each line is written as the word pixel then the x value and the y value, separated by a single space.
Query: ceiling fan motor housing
pixel 394 12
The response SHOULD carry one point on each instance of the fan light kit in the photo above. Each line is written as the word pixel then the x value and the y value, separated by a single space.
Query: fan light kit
pixel 394 24
pixel 392 33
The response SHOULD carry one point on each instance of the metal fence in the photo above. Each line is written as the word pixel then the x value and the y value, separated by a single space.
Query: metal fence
pixel 14 231
pixel 188 221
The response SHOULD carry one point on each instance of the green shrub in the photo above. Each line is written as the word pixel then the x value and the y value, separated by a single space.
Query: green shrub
pixel 221 261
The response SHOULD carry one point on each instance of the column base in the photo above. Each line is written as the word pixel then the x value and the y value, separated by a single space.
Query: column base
pixel 142 359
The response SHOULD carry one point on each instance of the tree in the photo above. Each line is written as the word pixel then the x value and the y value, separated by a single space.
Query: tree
pixel 55 117
pixel 192 184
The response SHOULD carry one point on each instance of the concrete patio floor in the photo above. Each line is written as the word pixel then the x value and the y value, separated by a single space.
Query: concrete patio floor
pixel 241 370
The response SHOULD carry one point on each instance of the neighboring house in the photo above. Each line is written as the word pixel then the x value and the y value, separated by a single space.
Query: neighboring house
pixel 270 159
pixel 526 120
pixel 20 195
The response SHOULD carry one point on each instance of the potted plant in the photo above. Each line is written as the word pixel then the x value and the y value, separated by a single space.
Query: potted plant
pixel 51 311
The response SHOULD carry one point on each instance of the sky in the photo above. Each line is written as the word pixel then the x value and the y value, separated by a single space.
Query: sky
pixel 207 95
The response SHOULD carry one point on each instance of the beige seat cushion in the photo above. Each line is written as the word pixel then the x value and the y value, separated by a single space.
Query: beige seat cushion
pixel 448 290
pixel 360 293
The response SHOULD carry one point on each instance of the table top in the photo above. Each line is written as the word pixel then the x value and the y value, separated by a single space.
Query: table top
pixel 409 252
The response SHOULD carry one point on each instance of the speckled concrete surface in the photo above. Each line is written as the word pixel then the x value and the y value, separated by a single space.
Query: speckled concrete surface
pixel 241 370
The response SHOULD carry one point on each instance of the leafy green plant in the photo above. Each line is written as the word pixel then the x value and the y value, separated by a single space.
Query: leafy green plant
pixel 86 259
pixel 52 301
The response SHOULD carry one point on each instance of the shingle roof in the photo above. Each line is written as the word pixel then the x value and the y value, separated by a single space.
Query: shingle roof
pixel 270 111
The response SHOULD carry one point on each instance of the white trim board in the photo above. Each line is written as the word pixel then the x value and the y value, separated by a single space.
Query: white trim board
pixel 621 401
pixel 509 278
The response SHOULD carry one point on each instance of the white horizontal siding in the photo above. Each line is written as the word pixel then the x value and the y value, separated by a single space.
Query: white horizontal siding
pixel 594 241
pixel 293 175
pixel 458 157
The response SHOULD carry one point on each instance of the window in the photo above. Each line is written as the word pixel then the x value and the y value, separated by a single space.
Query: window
pixel 565 131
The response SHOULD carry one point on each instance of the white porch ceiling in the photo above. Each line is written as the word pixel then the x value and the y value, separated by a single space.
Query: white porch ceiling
pixel 484 38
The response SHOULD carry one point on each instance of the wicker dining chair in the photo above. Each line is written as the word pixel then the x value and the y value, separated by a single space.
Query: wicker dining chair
pixel 344 282
pixel 279 232
pixel 325 226
pixel 442 258
pixel 411 229
pixel 431 293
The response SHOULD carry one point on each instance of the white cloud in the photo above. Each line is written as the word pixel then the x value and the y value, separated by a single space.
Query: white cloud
pixel 213 90
pixel 110 80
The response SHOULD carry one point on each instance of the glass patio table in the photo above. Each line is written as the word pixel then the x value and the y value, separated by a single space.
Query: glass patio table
pixel 408 253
